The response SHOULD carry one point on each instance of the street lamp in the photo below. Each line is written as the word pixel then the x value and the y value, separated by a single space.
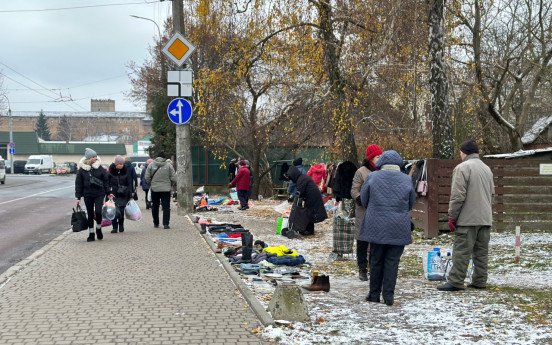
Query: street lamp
pixel 160 38
pixel 10 126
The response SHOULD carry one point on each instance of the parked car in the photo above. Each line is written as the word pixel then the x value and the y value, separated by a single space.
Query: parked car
pixel 72 167
pixel 19 166
pixel 2 170
pixel 62 169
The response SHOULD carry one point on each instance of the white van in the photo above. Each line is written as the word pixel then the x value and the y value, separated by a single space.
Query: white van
pixel 2 170
pixel 38 164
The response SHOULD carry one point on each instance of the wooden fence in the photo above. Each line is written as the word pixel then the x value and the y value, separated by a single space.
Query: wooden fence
pixel 522 196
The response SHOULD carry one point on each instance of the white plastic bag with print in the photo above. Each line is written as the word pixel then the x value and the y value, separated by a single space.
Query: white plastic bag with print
pixel 132 211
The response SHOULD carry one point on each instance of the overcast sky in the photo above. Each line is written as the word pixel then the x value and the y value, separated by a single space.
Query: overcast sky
pixel 61 50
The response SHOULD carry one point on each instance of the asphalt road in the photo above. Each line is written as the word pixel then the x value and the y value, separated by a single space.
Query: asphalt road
pixel 33 211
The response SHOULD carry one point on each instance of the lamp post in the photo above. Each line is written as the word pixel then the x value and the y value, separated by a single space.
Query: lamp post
pixel 10 127
pixel 160 37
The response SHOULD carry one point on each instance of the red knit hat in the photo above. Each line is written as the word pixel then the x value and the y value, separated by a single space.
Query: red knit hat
pixel 242 162
pixel 372 151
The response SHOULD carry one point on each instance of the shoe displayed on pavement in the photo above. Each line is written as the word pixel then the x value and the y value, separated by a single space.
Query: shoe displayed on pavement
pixel 99 234
pixel 320 283
pixel 477 287
pixel 449 287
pixel 91 237
pixel 166 227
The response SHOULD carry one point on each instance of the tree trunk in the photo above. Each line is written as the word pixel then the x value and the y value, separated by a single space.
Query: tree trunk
pixel 440 114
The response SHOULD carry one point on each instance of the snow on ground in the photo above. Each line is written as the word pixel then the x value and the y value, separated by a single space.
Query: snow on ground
pixel 509 312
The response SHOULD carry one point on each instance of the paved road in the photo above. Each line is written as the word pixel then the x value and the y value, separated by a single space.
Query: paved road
pixel 33 211
pixel 144 286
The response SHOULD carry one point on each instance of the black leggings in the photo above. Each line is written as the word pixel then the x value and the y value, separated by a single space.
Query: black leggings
pixel 94 209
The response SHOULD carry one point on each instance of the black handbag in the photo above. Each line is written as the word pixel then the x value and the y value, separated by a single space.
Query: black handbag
pixel 79 220
pixel 298 217
pixel 95 182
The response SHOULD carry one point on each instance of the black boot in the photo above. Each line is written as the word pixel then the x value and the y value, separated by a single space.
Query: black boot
pixel 99 234
pixel 363 274
pixel 90 237
pixel 121 228
pixel 247 246
pixel 115 229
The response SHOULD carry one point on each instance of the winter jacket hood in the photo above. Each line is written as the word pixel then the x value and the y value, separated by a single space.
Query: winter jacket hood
pixel 293 173
pixel 83 163
pixel 390 157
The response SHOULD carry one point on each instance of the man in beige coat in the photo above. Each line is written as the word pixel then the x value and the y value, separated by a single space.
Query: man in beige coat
pixel 373 153
pixel 470 216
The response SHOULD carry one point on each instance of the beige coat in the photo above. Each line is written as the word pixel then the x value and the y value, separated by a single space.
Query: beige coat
pixel 360 176
pixel 472 192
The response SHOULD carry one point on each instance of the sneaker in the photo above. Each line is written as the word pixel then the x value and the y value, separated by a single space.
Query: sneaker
pixel 166 227
pixel 449 287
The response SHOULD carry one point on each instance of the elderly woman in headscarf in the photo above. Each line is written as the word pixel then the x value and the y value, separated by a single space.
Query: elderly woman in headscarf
pixel 92 184
pixel 388 196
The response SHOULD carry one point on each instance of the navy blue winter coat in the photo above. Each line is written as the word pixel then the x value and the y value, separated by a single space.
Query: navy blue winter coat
pixel 388 196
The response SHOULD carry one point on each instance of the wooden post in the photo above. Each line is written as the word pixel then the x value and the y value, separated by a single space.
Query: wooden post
pixel 517 244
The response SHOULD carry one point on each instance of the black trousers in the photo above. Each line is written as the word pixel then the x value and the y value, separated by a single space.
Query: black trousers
pixel 363 258
pixel 94 209
pixel 243 196
pixel 120 218
pixel 164 199
pixel 384 267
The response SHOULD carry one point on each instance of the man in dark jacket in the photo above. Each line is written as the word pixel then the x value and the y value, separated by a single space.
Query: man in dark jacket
pixel 388 196
pixel 309 192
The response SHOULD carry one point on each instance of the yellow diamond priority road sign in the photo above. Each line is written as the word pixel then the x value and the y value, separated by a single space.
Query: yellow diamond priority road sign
pixel 178 49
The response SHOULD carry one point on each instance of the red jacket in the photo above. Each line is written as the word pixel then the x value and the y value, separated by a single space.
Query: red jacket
pixel 318 173
pixel 241 181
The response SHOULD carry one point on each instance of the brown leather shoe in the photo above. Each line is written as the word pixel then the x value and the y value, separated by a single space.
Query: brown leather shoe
pixel 320 283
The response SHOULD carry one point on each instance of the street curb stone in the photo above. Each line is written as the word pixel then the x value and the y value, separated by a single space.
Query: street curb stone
pixel 265 317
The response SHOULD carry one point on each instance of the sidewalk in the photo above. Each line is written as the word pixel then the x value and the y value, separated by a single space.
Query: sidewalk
pixel 143 286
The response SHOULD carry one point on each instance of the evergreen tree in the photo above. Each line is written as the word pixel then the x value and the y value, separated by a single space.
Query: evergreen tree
pixel 64 129
pixel 41 128
pixel 164 137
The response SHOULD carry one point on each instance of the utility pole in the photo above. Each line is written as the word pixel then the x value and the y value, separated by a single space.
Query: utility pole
pixel 184 182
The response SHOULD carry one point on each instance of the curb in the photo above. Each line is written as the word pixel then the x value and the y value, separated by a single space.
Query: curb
pixel 265 318
pixel 10 272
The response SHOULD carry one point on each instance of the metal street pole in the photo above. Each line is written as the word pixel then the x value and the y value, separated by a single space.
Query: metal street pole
pixel 10 128
pixel 163 68
pixel 184 182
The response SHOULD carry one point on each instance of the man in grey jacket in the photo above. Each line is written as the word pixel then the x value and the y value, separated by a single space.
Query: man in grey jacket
pixel 160 175
pixel 470 217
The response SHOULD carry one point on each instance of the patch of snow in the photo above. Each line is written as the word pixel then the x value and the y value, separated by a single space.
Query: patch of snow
pixel 539 126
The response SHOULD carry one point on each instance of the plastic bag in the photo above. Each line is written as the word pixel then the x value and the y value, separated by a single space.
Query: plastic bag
pixel 109 210
pixel 132 211
pixel 106 222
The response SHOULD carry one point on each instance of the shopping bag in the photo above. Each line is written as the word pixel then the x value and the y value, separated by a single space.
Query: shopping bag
pixel 109 210
pixel 132 211
pixel 299 216
pixel 79 220
pixel 106 222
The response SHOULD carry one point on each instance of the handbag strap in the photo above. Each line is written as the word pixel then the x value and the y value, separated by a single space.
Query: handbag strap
pixel 424 171
pixel 154 174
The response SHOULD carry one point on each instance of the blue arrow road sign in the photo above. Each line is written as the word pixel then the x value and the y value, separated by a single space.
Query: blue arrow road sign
pixel 179 111
pixel 12 150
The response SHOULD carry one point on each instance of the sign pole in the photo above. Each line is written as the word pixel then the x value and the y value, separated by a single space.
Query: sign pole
pixel 184 182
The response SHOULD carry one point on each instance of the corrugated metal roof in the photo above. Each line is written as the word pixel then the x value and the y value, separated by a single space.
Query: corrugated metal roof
pixel 536 130
pixel 123 114
pixel 26 143
pixel 520 153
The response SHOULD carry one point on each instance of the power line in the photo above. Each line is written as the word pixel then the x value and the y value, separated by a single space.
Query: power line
pixel 79 7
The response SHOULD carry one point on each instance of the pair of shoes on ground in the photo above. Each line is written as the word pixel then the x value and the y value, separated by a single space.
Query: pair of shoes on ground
pixel 119 229
pixel 388 302
pixel 92 236
pixel 164 226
